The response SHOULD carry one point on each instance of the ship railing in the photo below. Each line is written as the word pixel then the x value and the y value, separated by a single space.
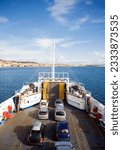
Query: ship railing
pixel 62 76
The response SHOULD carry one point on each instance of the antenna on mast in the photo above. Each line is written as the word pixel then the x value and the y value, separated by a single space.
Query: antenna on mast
pixel 53 69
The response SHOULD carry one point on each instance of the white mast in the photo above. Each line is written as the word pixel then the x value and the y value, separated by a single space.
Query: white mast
pixel 53 69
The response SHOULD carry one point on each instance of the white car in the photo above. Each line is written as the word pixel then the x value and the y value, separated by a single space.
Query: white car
pixel 60 115
pixel 43 103
pixel 43 113
pixel 59 102
pixel 59 107
pixel 63 145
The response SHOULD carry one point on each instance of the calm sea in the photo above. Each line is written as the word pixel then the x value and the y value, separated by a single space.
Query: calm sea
pixel 93 78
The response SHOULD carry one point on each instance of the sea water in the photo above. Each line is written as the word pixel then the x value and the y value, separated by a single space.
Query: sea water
pixel 12 79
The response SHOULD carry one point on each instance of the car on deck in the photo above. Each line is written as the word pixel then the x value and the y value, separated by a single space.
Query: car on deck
pixel 60 115
pixel 62 131
pixel 43 113
pixel 43 103
pixel 59 102
pixel 36 135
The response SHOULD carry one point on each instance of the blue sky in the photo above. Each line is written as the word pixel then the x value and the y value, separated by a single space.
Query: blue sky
pixel 29 27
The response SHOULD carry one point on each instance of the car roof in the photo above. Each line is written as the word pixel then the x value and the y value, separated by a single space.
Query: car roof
pixel 62 125
pixel 59 107
pixel 44 109
pixel 58 100
pixel 37 126
pixel 63 145
pixel 44 100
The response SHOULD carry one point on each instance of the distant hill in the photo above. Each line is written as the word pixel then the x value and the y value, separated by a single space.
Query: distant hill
pixel 9 63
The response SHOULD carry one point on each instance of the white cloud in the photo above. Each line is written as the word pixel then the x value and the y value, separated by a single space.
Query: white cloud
pixel 47 42
pixel 60 42
pixel 92 57
pixel 39 49
pixel 88 57
pixel 71 43
pixel 3 20
pixel 82 20
pixel 21 49
pixel 62 8
pixel 88 2
pixel 98 20
pixel 99 54
pixel 99 57
pixel 44 43
pixel 60 11
pixel 79 22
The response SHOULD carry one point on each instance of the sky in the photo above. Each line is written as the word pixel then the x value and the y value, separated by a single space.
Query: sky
pixel 29 28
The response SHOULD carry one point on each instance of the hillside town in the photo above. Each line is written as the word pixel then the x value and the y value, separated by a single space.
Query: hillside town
pixel 9 63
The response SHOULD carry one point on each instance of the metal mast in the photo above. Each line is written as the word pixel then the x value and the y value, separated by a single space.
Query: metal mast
pixel 53 69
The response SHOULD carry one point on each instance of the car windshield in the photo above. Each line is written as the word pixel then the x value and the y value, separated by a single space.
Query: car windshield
pixel 35 132
pixel 60 113
pixel 64 131
pixel 43 103
pixel 42 113
pixel 59 102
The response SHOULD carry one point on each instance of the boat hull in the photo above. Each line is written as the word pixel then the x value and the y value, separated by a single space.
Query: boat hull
pixel 30 101
pixel 78 102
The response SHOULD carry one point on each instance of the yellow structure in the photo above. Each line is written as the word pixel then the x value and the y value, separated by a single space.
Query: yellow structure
pixel 57 89
pixel 61 90
pixel 45 87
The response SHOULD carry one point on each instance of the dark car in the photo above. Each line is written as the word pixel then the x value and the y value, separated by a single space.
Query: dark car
pixel 62 131
pixel 36 135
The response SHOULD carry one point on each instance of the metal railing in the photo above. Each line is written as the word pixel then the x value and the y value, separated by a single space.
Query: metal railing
pixel 58 76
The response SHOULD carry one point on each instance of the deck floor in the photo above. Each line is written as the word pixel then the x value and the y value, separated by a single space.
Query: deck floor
pixel 85 132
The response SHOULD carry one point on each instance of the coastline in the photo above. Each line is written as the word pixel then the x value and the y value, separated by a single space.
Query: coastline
pixel 8 63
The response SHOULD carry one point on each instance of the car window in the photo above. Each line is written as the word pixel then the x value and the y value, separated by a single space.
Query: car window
pixel 43 103
pixel 42 113
pixel 65 131
pixel 61 113
pixel 42 130
pixel 35 132
pixel 59 102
